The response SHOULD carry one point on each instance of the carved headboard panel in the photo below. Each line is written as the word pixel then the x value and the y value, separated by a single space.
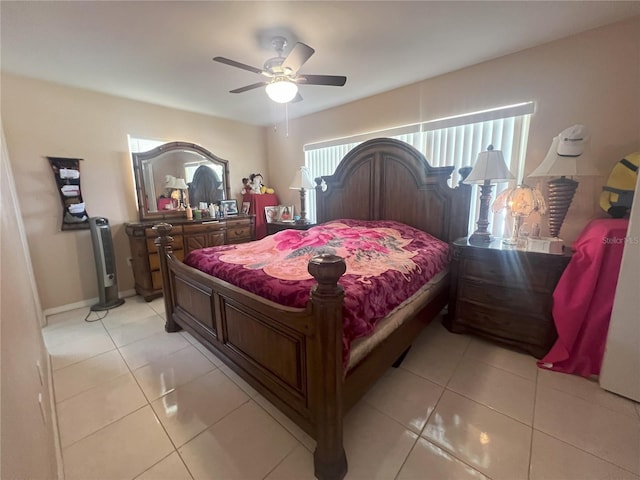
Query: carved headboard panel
pixel 386 179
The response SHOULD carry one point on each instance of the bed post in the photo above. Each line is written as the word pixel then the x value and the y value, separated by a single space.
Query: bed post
pixel 164 243
pixel 326 395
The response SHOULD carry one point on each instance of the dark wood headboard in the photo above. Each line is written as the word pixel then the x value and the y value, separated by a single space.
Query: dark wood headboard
pixel 386 179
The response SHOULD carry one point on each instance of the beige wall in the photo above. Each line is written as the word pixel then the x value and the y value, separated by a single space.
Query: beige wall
pixel 592 78
pixel 43 119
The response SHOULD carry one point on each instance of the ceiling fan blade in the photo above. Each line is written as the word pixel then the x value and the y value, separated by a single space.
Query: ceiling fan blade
pixel 332 80
pixel 299 54
pixel 297 98
pixel 243 66
pixel 249 87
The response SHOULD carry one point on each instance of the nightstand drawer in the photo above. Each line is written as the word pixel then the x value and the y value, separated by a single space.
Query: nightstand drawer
pixel 514 268
pixel 502 297
pixel 505 324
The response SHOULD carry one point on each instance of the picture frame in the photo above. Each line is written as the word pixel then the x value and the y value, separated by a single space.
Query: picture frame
pixel 246 206
pixel 229 208
pixel 285 213
pixel 272 214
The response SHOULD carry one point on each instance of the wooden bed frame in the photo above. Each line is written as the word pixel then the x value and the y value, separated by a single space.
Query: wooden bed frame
pixel 293 356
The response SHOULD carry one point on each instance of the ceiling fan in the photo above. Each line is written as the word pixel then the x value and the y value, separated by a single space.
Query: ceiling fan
pixel 282 73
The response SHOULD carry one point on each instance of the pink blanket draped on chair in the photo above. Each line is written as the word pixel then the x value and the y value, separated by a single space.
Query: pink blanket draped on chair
pixel 583 299
pixel 387 262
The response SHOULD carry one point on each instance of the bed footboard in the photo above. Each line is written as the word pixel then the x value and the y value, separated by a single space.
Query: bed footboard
pixel 292 356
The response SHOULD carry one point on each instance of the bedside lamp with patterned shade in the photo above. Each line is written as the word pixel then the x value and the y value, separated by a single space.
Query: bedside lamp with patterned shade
pixel 520 201
pixel 489 167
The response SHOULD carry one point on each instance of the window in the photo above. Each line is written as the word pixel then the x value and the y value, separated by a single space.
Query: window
pixel 453 141
pixel 142 144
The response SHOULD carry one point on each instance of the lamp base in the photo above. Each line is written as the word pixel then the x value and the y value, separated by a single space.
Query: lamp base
pixel 480 238
pixel 561 191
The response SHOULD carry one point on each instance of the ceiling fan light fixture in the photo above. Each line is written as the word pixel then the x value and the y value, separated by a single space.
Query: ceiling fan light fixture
pixel 281 90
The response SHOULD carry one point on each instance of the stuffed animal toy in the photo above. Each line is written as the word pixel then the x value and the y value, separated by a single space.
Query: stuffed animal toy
pixel 246 186
pixel 257 186
pixel 617 195
pixel 256 183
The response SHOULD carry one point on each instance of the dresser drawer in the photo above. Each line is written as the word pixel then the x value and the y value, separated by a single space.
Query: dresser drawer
pixel 149 232
pixel 154 259
pixel 240 233
pixel 177 244
pixel 203 228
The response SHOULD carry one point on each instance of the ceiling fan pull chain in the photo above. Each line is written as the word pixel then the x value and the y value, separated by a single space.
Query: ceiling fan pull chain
pixel 286 119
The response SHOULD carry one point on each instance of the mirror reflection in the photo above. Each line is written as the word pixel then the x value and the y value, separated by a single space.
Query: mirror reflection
pixel 176 174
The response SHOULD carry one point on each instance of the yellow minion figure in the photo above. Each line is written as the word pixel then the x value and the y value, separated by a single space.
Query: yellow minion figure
pixel 617 194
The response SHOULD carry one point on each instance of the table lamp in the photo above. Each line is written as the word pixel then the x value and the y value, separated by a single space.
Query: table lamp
pixel 489 167
pixel 565 158
pixel 179 184
pixel 302 182
pixel 520 201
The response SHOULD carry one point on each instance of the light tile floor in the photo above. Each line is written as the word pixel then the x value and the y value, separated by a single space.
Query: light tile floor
pixel 134 402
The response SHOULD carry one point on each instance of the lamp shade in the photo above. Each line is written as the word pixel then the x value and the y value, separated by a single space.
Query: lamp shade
pixel 556 165
pixel 302 180
pixel 180 184
pixel 490 165
pixel 520 201
pixel 281 90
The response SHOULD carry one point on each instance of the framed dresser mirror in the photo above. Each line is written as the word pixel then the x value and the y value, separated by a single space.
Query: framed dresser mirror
pixel 176 174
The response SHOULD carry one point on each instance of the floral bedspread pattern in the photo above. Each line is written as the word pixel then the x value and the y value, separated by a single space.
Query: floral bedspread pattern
pixel 387 262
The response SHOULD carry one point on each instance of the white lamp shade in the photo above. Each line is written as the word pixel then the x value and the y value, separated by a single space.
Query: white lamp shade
pixel 180 184
pixel 490 165
pixel 555 165
pixel 281 90
pixel 302 180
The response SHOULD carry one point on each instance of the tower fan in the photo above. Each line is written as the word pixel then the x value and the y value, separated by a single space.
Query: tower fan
pixel 105 264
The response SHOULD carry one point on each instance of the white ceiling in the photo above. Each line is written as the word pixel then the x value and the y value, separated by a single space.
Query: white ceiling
pixel 161 52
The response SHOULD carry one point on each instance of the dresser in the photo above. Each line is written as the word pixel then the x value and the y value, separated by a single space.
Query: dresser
pixel 187 235
pixel 504 294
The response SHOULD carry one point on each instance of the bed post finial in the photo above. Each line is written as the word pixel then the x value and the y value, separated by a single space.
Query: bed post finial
pixel 327 269
pixel 326 388
pixel 164 243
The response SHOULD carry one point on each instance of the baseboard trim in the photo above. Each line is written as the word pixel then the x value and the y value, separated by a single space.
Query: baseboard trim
pixel 84 303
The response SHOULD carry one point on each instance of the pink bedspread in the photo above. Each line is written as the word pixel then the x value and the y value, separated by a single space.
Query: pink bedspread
pixel 583 299
pixel 387 262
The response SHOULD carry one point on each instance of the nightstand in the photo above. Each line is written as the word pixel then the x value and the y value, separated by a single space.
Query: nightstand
pixel 274 227
pixel 504 294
